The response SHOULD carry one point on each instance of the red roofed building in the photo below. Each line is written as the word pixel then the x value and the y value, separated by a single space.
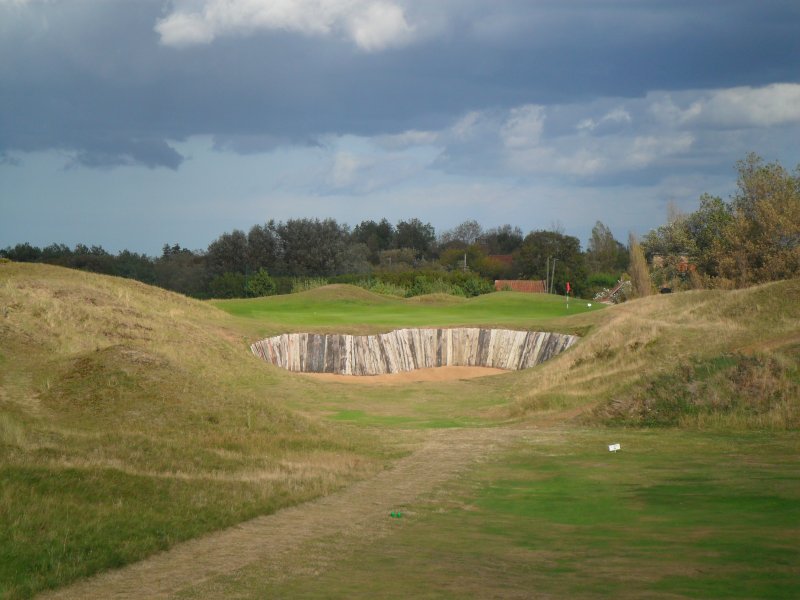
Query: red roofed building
pixel 520 285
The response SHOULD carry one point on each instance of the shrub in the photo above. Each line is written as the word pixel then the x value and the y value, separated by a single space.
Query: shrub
pixel 475 286
pixel 423 285
pixel 261 284
pixel 381 287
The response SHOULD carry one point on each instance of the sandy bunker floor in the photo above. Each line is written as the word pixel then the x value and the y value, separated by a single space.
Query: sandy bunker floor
pixel 434 374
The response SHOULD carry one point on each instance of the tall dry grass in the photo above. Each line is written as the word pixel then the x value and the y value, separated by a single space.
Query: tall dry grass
pixel 634 349
pixel 640 273
pixel 117 394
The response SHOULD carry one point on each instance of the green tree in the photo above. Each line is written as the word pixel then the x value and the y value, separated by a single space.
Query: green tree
pixel 228 285
pixel 453 257
pixel 672 239
pixel 397 259
pixel 260 284
pixel 313 247
pixel 181 270
pixel 263 247
pixel 541 248
pixel 467 233
pixel 356 259
pixel 133 265
pixel 376 236
pixel 228 253
pixel 501 240
pixel 761 242
pixel 706 226
pixel 23 253
pixel 604 253
pixel 416 235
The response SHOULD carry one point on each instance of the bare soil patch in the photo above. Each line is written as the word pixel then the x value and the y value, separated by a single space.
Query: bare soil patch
pixel 433 374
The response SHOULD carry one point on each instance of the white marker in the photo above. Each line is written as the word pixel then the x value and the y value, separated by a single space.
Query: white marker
pixel 614 447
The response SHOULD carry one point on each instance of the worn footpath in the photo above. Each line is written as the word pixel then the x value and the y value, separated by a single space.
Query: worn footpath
pixel 304 539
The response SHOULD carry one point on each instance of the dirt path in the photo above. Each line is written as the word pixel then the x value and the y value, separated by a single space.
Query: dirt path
pixel 304 539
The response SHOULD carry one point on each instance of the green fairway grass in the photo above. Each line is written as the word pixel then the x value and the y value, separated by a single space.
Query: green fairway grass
pixel 673 514
pixel 347 309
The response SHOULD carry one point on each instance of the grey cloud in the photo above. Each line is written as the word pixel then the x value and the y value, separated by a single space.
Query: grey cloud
pixel 614 141
pixel 9 160
pixel 258 144
pixel 127 152
pixel 81 71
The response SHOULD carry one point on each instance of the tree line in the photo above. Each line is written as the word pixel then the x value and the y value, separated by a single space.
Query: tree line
pixel 270 257
pixel 752 238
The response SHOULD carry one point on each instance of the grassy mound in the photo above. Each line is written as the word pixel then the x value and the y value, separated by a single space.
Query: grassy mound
pixel 711 358
pixel 738 390
pixel 132 418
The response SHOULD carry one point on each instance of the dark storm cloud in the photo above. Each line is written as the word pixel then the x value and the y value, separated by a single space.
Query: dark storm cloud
pixel 94 78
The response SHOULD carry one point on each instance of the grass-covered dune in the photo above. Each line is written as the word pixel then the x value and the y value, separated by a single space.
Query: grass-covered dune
pixel 724 359
pixel 132 418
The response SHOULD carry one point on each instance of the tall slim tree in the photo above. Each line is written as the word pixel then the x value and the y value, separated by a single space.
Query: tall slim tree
pixel 640 274
pixel 604 253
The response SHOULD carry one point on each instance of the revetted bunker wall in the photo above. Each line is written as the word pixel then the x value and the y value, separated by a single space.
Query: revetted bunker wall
pixel 409 349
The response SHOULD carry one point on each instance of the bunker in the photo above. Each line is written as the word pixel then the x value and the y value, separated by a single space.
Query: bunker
pixel 410 349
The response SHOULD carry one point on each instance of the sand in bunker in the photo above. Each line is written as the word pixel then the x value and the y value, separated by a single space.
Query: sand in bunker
pixel 433 374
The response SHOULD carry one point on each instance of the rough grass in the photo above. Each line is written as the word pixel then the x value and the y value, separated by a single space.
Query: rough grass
pixel 699 359
pixel 132 418
pixel 728 390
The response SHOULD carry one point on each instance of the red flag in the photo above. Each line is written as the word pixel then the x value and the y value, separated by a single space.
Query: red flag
pixel 568 288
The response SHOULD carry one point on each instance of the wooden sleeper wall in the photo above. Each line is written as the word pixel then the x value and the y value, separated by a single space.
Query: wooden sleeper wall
pixel 410 349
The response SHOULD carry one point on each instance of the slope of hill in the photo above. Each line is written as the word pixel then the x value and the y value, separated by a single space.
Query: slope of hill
pixel 706 359
pixel 132 418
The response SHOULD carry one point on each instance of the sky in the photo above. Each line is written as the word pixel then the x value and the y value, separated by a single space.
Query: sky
pixel 134 123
